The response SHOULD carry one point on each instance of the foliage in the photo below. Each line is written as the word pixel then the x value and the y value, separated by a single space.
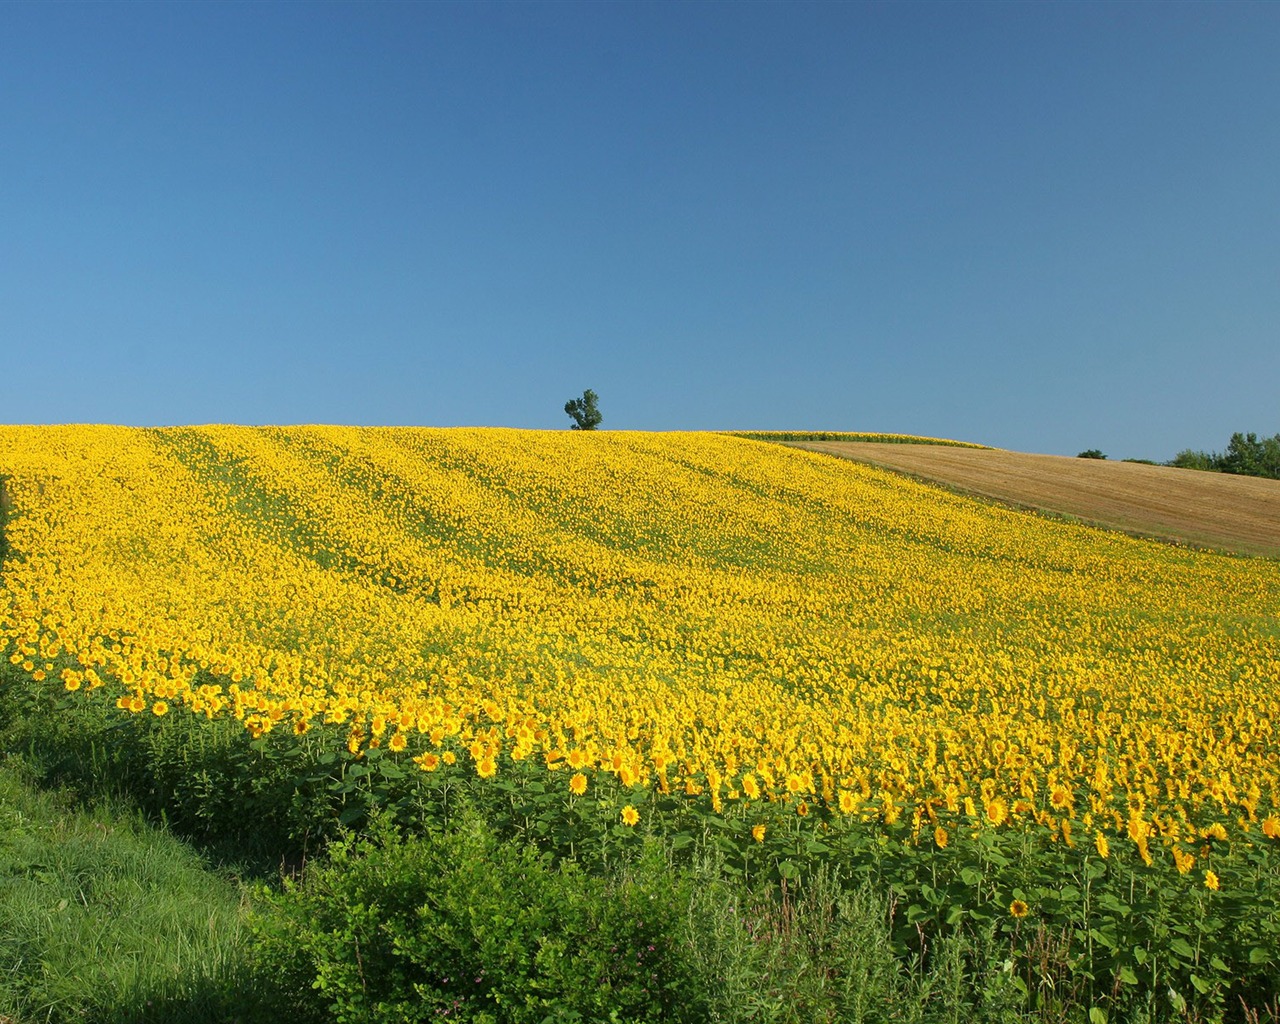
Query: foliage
pixel 1188 459
pixel 1091 453
pixel 459 925
pixel 584 411
pixel 1246 455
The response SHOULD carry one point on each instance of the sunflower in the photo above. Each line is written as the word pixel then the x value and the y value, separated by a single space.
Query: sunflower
pixel 1104 848
pixel 1018 909
pixel 630 816
pixel 427 762
pixel 940 837
pixel 578 784
pixel 997 811
pixel 757 833
pixel 1211 881
pixel 1215 831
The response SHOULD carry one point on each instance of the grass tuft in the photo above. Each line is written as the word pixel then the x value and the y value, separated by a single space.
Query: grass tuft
pixel 107 919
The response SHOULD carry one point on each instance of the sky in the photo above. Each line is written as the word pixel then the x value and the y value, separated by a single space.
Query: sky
pixel 1041 226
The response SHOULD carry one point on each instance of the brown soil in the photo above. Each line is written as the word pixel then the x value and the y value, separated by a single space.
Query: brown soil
pixel 1211 510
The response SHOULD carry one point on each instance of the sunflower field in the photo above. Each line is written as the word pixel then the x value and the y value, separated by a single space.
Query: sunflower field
pixel 1060 733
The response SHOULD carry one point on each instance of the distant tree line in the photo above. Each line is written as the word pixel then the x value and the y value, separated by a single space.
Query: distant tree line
pixel 1246 455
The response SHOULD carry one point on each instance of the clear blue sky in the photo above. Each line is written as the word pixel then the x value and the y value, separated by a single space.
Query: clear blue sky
pixel 1041 226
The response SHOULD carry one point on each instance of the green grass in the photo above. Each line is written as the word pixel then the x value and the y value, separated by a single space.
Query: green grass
pixel 105 918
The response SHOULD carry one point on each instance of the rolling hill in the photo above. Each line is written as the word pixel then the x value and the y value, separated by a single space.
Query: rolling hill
pixel 1210 510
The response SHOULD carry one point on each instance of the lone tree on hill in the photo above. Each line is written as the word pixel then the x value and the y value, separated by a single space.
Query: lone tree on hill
pixel 583 410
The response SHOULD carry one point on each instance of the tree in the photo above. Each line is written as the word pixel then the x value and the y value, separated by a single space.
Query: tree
pixel 1246 455
pixel 1189 459
pixel 1091 453
pixel 583 410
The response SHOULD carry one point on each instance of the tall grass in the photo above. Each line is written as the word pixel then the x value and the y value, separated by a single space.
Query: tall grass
pixel 105 918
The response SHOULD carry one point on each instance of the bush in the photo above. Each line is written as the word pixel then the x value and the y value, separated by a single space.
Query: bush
pixel 1091 453
pixel 406 928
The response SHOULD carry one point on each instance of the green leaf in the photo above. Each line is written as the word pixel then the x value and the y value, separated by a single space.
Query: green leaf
pixel 352 814
pixel 1127 976
pixel 1109 903
pixel 1104 939
pixel 1259 956
pixel 788 870
pixel 1097 1015
pixel 1217 964
pixel 1182 947
pixel 1201 985
pixel 971 876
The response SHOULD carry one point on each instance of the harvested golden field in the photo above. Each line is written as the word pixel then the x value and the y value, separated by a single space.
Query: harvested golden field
pixel 693 614
pixel 1212 510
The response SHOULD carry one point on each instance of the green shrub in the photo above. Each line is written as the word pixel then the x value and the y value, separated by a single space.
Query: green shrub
pixel 458 925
